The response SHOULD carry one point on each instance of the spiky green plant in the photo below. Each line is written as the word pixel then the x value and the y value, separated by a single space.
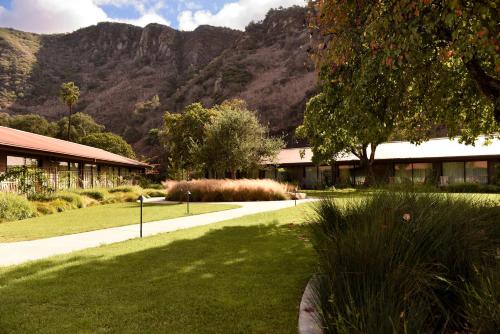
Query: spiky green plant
pixel 402 262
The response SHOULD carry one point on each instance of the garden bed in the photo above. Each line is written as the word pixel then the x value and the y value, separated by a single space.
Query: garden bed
pixel 228 190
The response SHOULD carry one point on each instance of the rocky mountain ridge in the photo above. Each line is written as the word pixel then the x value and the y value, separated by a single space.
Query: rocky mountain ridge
pixel 119 66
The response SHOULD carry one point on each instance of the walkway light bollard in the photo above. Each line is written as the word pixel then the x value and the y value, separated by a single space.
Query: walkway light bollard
pixel 141 199
pixel 188 193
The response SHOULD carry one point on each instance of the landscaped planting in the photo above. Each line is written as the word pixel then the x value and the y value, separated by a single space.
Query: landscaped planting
pixel 13 207
pixel 16 207
pixel 408 263
pixel 227 190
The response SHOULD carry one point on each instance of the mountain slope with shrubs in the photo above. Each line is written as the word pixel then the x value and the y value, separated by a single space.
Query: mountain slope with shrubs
pixel 120 67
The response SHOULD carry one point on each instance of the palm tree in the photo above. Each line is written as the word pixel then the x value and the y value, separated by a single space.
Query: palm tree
pixel 69 94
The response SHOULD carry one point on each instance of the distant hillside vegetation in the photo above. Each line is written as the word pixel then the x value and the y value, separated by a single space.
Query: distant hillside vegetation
pixel 119 67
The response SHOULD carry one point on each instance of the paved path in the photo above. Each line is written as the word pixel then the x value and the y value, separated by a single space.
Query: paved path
pixel 23 251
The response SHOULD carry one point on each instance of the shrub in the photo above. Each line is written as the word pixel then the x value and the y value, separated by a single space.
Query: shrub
pixel 123 189
pixel 74 200
pixel 472 188
pixel 41 197
pixel 406 262
pixel 226 190
pixel 15 207
pixel 97 194
pixel 154 193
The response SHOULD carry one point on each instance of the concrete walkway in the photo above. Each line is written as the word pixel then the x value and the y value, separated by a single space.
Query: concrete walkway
pixel 23 251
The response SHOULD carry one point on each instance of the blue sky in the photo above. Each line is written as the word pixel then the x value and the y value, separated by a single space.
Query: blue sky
pixel 56 16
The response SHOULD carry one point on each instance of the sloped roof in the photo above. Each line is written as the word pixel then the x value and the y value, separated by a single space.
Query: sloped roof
pixel 38 144
pixel 432 149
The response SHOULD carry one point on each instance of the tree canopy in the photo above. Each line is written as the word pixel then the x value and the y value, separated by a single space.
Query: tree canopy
pixel 69 93
pixel 443 57
pixel 224 138
pixel 109 142
pixel 236 141
pixel 400 67
pixel 183 135
pixel 30 123
pixel 81 125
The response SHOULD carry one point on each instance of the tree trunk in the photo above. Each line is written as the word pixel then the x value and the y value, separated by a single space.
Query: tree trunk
pixel 487 85
pixel 69 121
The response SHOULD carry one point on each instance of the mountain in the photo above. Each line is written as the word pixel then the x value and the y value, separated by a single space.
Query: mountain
pixel 119 67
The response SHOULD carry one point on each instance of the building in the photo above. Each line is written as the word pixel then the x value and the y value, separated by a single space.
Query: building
pixel 438 161
pixel 58 164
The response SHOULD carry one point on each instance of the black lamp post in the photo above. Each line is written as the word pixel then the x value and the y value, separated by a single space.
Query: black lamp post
pixel 141 199
pixel 188 193
pixel 296 189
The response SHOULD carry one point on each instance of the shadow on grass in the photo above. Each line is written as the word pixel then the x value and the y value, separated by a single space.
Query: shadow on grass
pixel 231 280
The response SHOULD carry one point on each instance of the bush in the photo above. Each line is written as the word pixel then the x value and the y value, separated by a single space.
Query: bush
pixel 97 194
pixel 472 188
pixel 407 263
pixel 124 189
pixel 226 190
pixel 74 200
pixel 154 193
pixel 15 207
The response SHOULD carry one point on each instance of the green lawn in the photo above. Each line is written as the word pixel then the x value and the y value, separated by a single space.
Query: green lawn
pixel 97 217
pixel 245 275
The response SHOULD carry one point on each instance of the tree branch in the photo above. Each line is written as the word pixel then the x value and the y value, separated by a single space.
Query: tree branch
pixel 487 85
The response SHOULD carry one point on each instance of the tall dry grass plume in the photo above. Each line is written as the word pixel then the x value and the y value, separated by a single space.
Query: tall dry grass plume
pixel 227 190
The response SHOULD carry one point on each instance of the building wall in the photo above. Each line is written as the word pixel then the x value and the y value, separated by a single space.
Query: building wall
pixel 308 176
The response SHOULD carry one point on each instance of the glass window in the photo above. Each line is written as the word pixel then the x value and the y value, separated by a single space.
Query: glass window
pixel 403 172
pixel 325 174
pixel 345 177
pixel 63 165
pixel 454 172
pixel 496 173
pixel 422 172
pixel 311 178
pixel 476 172
pixel 21 161
pixel 359 176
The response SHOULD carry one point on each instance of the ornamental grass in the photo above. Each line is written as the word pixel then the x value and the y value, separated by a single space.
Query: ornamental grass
pixel 408 263
pixel 227 190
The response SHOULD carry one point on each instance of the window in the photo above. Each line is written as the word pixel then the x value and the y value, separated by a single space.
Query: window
pixel 21 161
pixel 496 173
pixel 325 174
pixel 422 172
pixel 345 175
pixel 454 171
pixel 476 172
pixel 359 175
pixel 311 178
pixel 403 172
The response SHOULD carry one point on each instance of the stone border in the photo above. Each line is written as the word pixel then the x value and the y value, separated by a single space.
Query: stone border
pixel 308 315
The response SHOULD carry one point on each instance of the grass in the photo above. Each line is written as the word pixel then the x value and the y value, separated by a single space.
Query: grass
pixel 244 275
pixel 408 263
pixel 95 218
pixel 227 190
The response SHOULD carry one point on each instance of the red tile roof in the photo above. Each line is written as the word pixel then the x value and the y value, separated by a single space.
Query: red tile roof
pixel 47 146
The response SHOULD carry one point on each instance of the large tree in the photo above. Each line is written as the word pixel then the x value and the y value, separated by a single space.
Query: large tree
pixel 182 136
pixel 69 93
pixel 443 55
pixel 224 138
pixel 236 141
pixel 32 123
pixel 109 142
pixel 79 125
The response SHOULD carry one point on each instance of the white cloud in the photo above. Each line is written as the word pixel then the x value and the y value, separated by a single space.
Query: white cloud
pixel 57 16
pixel 234 15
